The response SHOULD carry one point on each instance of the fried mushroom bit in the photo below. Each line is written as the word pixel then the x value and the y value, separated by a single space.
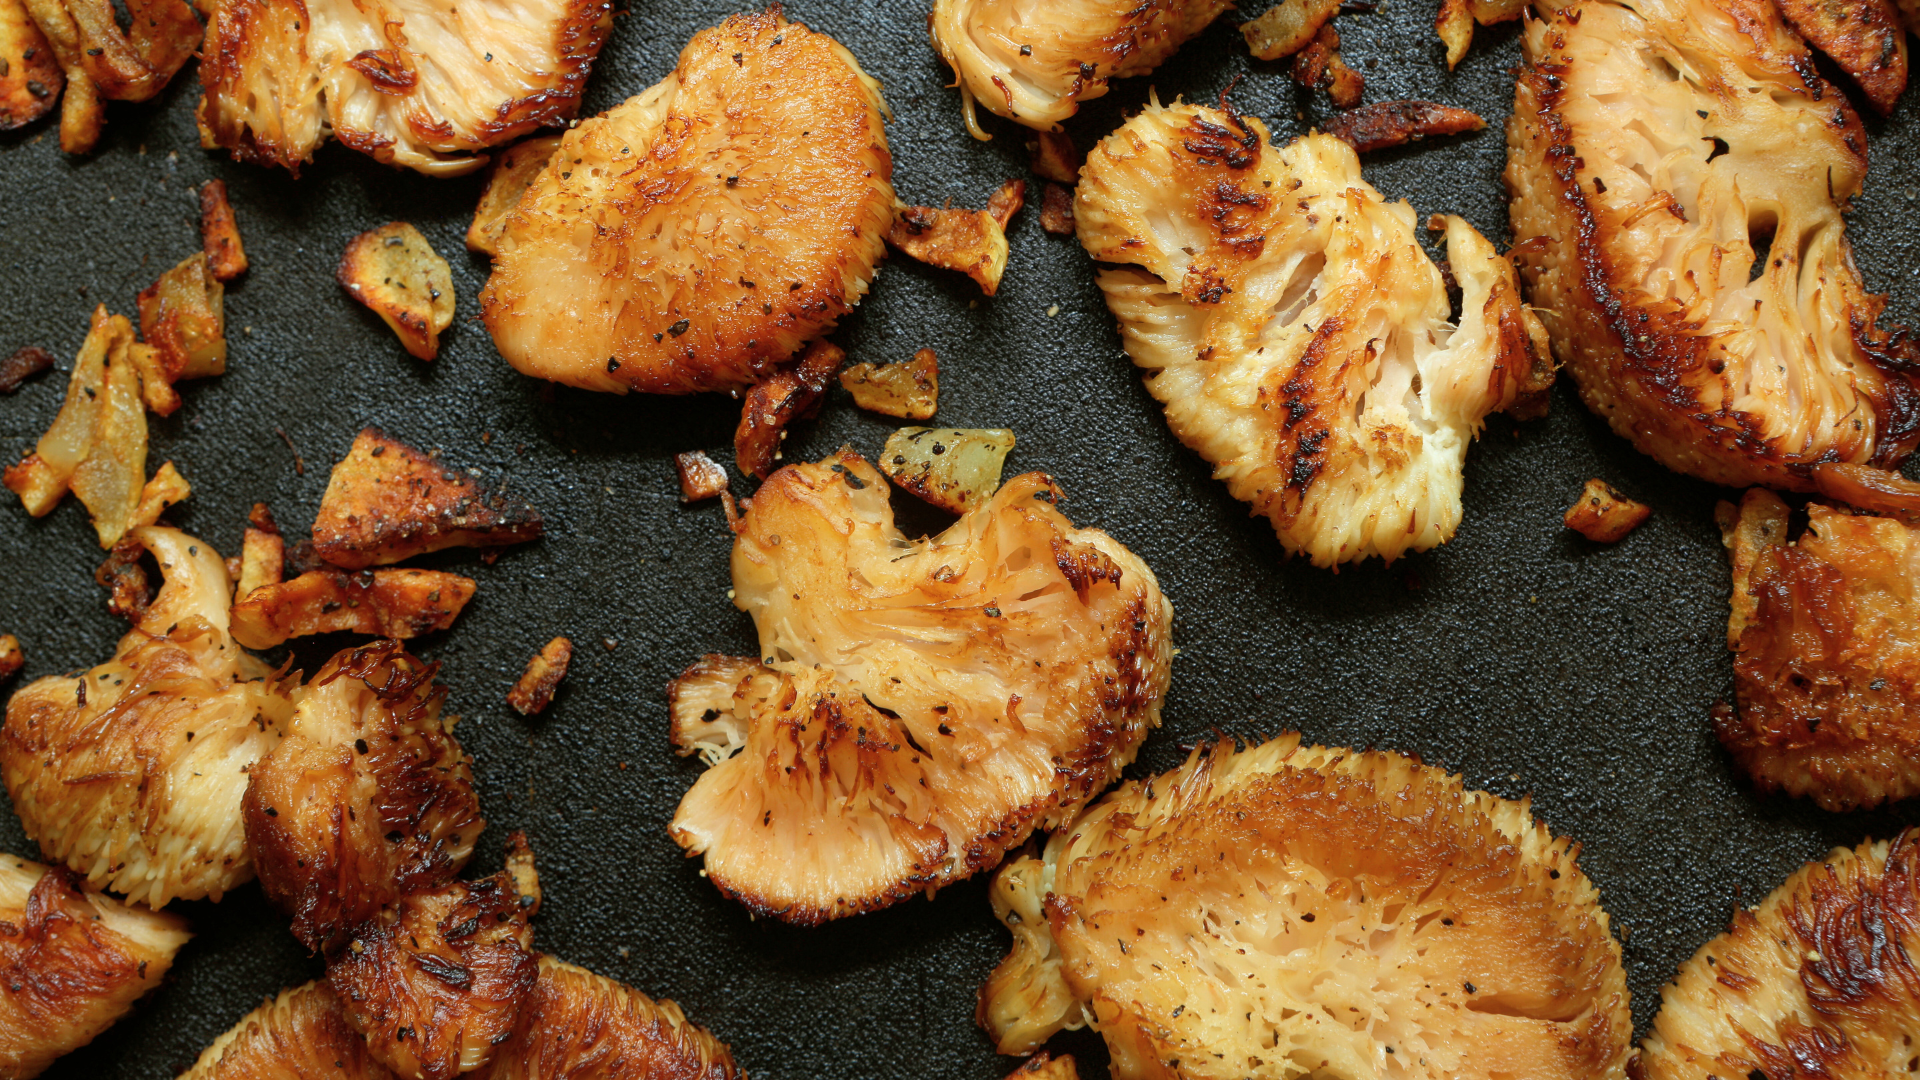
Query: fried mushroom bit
pixel 701 477
pixel 698 236
pixel 383 602
pixel 368 800
pixel 1814 981
pixel 533 692
pixel 12 657
pixel 132 773
pixel 1006 201
pixel 971 241
pixel 30 75
pixel 955 469
pixel 299 1035
pixel 917 707
pixel 779 400
pixel 437 981
pixel 183 317
pixel 1603 515
pixel 72 961
pixel 397 274
pixel 1339 913
pixel 578 1024
pixel 125 580
pixel 1865 37
pixel 220 234
pixel 1457 18
pixel 24 364
pixel 263 553
pixel 1301 339
pixel 387 502
pixel 1319 66
pixel 1396 123
pixel 103 61
pixel 1826 657
pixel 1056 210
pixel 1054 157
pixel 1288 27
pixel 910 391
pixel 514 171
pixel 1044 1066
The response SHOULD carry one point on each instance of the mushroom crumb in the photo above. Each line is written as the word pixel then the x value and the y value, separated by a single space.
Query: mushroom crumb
pixel 534 692
pixel 12 657
pixel 1603 515
pixel 701 477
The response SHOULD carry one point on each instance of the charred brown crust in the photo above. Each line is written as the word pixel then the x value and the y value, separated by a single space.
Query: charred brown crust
pixel 1603 515
pixel 1386 124
pixel 701 477
pixel 387 501
pixel 1056 210
pixel 219 233
pixel 1055 158
pixel 578 1024
pixel 339 828
pixel 534 691
pixel 30 75
pixel 24 364
pixel 382 601
pixel 778 400
pixel 1865 37
pixel 1319 66
pixel 299 1035
pixel 126 580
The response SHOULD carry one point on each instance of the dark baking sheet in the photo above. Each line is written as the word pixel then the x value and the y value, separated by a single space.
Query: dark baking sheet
pixel 1527 658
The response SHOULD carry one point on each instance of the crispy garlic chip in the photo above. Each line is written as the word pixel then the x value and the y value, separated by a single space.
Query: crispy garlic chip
pixel 699 235
pixel 909 390
pixel 973 242
pixel 1826 653
pixel 30 75
pixel 955 469
pixel 383 602
pixel 1298 335
pixel 918 707
pixel 132 773
pixel 1603 515
pixel 1035 64
pixel 1678 171
pixel 437 981
pixel 300 1035
pixel 72 961
pixel 514 171
pixel 1339 914
pixel 1814 981
pixel 396 273
pixel 368 799
pixel 387 502
pixel 183 316
pixel 420 85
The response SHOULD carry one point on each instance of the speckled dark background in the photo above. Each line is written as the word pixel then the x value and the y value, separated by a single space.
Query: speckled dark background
pixel 1527 658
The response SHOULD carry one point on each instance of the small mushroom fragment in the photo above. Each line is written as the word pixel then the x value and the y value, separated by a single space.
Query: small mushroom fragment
pixel 1603 515
pixel 1055 157
pixel 1396 123
pixel 1006 201
pixel 387 502
pixel 183 318
pixel 1456 19
pixel 126 580
pixel 395 272
pixel 701 477
pixel 263 553
pixel 970 241
pixel 1044 1066
pixel 779 399
pixel 513 173
pixel 955 469
pixel 12 657
pixel 1056 210
pixel 1287 27
pixel 1319 66
pixel 910 390
pixel 25 363
pixel 30 76
pixel 1865 37
pixel 384 602
pixel 534 692
pixel 102 61
pixel 219 233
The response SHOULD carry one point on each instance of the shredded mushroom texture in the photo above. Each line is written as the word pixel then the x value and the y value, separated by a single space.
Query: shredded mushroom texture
pixel 1335 914
pixel 1299 337
pixel 918 707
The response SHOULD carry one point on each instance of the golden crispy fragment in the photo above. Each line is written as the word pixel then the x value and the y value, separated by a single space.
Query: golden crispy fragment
pixel 1054 157
pixel 220 234
pixel 83 114
pixel 582 1026
pixel 1300 337
pixel 1315 885
pixel 1056 210
pixel 387 502
pixel 1044 1066
pixel 1814 981
pixel 1006 201
pixel 72 962
pixel 970 241
pixel 699 235
pixel 1865 37
pixel 112 476
pixel 778 400
pixel 533 692
pixel 383 602
pixel 1319 66
pixel 910 391
pixel 514 171
pixel 1685 243
pixel 183 315
pixel 1865 488
pixel 12 657
pixel 701 477
pixel 263 553
pixel 369 798
pixel 164 489
pixel 155 388
pixel 132 64
pixel 1826 651
pixel 1395 123
pixel 1288 27
pixel 1457 18
pixel 1603 515
pixel 395 272
pixel 300 1035
pixel 955 469
pixel 437 980
pixel 30 75
pixel 132 773
pixel 129 591
pixel 42 478
pixel 1036 63
pixel 917 707
pixel 23 364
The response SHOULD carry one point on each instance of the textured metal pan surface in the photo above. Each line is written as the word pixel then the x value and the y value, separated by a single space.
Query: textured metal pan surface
pixel 1519 654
